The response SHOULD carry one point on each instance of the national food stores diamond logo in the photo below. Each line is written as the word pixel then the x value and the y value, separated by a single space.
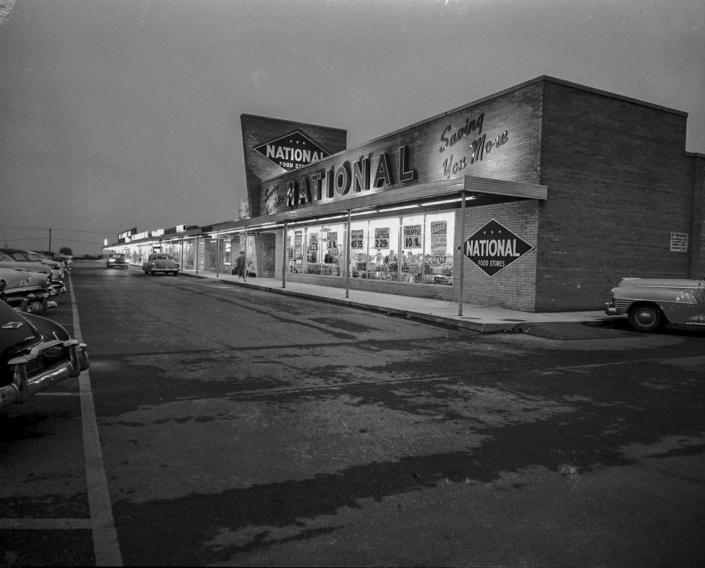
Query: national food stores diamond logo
pixel 494 247
pixel 292 151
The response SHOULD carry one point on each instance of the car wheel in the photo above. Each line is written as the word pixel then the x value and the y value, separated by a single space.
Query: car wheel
pixel 645 317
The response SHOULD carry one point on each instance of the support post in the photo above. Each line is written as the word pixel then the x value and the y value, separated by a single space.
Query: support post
pixel 244 273
pixel 347 256
pixel 217 254
pixel 284 254
pixel 462 255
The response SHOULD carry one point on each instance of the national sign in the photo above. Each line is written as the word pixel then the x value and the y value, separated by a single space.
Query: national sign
pixel 495 247
pixel 292 151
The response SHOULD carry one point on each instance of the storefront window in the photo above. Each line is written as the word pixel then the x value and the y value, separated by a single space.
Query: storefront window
pixel 359 248
pixel 295 250
pixel 189 254
pixel 413 249
pixel 438 249
pixel 318 249
pixel 383 246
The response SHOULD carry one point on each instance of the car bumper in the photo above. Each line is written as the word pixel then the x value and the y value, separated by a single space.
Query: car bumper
pixel 612 310
pixel 25 384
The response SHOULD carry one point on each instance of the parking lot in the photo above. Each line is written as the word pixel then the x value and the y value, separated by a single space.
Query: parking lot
pixel 221 425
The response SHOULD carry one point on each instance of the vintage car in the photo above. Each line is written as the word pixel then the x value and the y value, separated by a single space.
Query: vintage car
pixel 35 353
pixel 653 302
pixel 116 260
pixel 50 262
pixel 17 258
pixel 160 262
pixel 26 290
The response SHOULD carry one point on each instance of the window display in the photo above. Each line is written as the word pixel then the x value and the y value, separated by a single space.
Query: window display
pixel 412 253
pixel 424 256
pixel 438 252
pixel 383 263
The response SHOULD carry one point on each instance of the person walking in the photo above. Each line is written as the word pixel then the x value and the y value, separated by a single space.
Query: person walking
pixel 240 265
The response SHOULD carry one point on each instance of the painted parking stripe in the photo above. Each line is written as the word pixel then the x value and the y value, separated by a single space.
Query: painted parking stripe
pixel 105 543
pixel 44 524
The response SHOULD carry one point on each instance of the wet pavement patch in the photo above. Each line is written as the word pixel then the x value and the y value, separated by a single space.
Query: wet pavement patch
pixel 343 324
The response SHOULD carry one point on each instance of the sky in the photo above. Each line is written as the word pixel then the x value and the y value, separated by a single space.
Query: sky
pixel 126 113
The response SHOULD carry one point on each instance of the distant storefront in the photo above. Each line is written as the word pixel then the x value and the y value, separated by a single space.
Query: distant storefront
pixel 537 198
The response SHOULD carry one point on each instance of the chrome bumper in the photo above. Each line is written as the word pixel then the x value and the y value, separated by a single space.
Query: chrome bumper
pixel 23 387
pixel 610 310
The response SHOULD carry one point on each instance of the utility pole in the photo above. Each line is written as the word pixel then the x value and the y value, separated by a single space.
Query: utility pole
pixel 49 240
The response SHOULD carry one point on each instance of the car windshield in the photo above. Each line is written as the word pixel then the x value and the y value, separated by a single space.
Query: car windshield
pixel 21 256
pixel 4 256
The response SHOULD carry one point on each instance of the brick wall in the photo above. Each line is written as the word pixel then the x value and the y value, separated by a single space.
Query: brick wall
pixel 697 240
pixel 617 182
pixel 515 285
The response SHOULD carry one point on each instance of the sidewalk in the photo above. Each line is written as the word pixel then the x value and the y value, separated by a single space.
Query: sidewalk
pixel 483 319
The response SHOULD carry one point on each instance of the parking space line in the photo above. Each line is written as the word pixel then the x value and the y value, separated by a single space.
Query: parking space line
pixel 45 393
pixel 44 524
pixel 105 543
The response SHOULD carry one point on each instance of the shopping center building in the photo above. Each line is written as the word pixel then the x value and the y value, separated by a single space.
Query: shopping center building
pixel 537 198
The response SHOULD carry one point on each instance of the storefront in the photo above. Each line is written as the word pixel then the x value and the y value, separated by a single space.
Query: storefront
pixel 538 198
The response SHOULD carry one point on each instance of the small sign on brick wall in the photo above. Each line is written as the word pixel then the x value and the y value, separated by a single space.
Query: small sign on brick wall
pixel 679 242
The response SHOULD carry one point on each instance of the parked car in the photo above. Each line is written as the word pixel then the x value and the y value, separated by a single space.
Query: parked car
pixel 35 353
pixel 26 290
pixel 653 302
pixel 160 262
pixel 17 258
pixel 44 259
pixel 116 260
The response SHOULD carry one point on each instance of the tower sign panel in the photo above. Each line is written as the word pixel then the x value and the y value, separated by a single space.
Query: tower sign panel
pixel 292 151
pixel 494 247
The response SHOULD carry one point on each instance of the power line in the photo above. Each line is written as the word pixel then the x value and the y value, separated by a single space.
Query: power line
pixel 26 239
pixel 44 239
pixel 53 229
pixel 75 241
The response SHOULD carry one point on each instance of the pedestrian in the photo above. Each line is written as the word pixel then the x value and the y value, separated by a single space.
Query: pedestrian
pixel 240 265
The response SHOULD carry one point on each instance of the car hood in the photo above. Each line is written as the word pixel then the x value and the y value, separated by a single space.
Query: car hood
pixel 31 266
pixel 16 330
pixel 659 283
